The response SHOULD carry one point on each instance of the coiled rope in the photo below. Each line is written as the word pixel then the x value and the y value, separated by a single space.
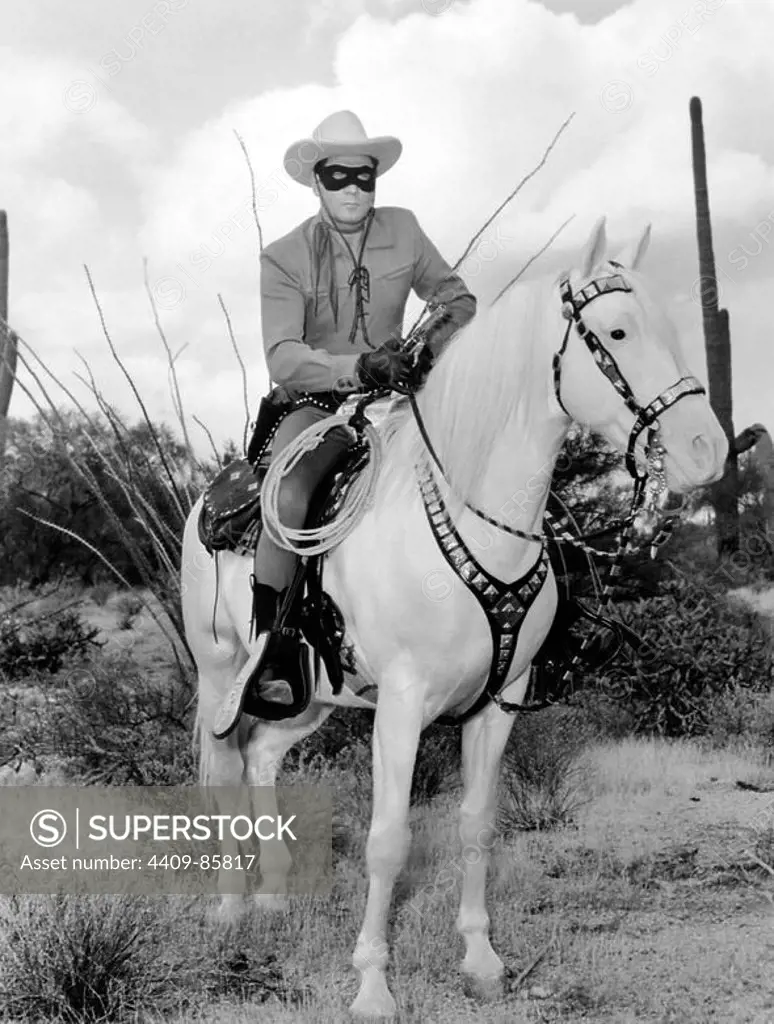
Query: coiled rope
pixel 357 499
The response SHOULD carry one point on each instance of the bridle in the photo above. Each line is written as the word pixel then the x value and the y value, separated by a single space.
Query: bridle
pixel 645 417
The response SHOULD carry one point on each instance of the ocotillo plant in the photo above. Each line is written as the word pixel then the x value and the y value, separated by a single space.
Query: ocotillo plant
pixel 7 338
pixel 717 343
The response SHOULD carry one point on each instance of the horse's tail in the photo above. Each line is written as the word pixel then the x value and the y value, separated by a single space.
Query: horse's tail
pixel 202 747
pixel 199 584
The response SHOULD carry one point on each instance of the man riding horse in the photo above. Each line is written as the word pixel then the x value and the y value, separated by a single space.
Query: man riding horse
pixel 333 298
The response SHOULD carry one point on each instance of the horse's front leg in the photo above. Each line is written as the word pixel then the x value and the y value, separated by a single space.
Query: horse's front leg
pixel 483 741
pixel 397 729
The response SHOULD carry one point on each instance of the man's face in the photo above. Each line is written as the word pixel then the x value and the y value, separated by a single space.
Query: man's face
pixel 348 205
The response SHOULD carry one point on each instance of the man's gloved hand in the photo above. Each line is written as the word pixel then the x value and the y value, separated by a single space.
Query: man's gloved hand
pixel 424 365
pixel 384 366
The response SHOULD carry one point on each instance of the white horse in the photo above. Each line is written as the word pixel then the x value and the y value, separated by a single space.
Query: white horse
pixel 496 411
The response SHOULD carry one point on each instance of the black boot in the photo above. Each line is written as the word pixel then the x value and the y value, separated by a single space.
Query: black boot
pixel 280 685
pixel 266 601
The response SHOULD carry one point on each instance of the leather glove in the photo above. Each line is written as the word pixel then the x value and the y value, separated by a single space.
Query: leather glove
pixel 384 366
pixel 424 365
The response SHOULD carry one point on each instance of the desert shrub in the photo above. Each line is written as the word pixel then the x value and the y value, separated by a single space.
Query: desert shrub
pixel 763 848
pixel 587 484
pixel 695 645
pixel 438 756
pixel 28 648
pixel 600 716
pixel 121 959
pixel 128 607
pixel 122 463
pixel 243 962
pixel 582 479
pixel 743 717
pixel 341 730
pixel 101 592
pixel 543 779
pixel 83 960
pixel 108 724
pixel 437 767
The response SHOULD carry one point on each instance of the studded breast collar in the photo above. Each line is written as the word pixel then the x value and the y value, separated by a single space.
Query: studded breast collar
pixel 505 605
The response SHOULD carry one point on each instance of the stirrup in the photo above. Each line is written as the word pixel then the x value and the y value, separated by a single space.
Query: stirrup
pixel 241 700
pixel 299 683
pixel 230 711
pixel 245 697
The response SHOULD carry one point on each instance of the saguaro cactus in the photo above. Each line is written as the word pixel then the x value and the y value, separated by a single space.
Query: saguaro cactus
pixel 758 438
pixel 763 455
pixel 8 342
pixel 717 343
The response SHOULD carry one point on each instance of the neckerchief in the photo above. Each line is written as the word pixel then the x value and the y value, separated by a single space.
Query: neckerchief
pixel 359 278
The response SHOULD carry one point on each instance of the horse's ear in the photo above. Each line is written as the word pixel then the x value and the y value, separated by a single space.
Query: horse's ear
pixel 595 248
pixel 633 254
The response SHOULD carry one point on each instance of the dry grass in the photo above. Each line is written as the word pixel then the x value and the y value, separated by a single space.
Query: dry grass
pixel 640 766
pixel 86 960
pixel 545 774
pixel 646 930
pixel 659 912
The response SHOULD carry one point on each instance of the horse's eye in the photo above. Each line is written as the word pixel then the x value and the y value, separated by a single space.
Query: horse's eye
pixel 618 334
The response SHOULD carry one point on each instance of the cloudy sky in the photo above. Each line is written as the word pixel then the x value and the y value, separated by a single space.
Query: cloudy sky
pixel 119 120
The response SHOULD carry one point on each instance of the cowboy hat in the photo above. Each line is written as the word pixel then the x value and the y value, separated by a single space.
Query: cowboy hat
pixel 339 134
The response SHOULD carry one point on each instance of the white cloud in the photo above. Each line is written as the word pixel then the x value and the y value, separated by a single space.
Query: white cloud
pixel 475 94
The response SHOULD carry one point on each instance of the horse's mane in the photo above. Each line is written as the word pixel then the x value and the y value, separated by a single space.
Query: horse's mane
pixel 487 374
pixel 495 368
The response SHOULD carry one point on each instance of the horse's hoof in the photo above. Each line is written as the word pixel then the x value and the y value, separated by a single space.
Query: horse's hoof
pixel 484 990
pixel 370 1008
pixel 371 1013
pixel 226 911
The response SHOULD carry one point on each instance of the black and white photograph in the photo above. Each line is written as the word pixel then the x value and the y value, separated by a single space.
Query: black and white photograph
pixel 387 512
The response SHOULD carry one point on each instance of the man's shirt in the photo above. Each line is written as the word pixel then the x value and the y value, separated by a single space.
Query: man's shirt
pixel 310 350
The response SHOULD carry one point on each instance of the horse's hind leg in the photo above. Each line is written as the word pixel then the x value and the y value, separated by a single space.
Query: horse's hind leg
pixel 268 744
pixel 215 600
pixel 222 766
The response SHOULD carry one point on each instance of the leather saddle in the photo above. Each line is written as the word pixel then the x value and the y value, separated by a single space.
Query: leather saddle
pixel 230 516
pixel 230 519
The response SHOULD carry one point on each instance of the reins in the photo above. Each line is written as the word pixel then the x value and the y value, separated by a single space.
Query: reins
pixel 558 532
pixel 645 418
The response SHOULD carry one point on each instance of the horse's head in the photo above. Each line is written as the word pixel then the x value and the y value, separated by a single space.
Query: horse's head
pixel 621 370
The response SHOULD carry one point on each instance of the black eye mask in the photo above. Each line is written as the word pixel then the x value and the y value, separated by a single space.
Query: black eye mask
pixel 335 177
